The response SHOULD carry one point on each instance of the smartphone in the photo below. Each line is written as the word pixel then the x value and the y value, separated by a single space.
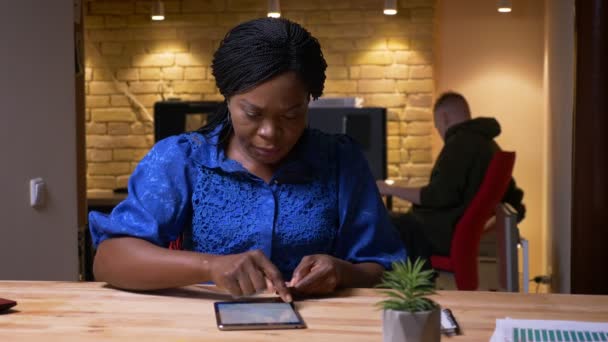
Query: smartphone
pixel 257 314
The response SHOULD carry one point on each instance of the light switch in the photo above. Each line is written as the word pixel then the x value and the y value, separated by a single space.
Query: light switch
pixel 37 192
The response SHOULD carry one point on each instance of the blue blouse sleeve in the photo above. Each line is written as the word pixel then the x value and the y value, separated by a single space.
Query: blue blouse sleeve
pixel 158 203
pixel 366 233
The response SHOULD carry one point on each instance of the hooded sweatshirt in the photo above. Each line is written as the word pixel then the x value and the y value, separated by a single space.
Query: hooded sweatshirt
pixel 456 177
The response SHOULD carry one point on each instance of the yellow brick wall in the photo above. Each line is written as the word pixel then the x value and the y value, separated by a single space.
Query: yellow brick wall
pixel 386 60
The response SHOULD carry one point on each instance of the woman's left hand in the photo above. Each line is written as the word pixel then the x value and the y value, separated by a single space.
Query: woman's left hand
pixel 317 274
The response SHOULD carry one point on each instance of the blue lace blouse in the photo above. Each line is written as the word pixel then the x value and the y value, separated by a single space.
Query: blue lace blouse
pixel 322 200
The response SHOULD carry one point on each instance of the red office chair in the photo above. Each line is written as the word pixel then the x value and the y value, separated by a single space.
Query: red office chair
pixel 464 249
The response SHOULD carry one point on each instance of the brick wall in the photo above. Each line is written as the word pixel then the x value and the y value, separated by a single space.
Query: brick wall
pixel 387 60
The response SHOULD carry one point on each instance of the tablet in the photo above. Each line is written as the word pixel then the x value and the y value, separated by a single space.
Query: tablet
pixel 267 313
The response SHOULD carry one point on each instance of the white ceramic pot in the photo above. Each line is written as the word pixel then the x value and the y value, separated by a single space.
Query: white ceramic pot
pixel 404 326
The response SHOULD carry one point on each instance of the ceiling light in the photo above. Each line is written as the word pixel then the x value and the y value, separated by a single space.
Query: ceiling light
pixel 158 11
pixel 390 7
pixel 504 6
pixel 274 9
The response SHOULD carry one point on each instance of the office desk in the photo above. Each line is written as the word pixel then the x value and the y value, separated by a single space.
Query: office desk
pixel 104 200
pixel 64 311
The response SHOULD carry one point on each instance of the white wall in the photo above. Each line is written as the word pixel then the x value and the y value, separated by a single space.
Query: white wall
pixel 559 78
pixel 496 61
pixel 38 139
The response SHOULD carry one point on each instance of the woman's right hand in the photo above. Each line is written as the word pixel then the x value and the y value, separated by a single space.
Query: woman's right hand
pixel 247 273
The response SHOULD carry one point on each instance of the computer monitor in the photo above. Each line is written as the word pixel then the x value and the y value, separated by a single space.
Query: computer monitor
pixel 367 126
pixel 175 117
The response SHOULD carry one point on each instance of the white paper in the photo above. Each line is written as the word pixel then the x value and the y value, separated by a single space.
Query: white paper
pixel 548 330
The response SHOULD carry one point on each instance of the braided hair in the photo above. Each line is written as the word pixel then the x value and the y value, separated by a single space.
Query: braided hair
pixel 256 51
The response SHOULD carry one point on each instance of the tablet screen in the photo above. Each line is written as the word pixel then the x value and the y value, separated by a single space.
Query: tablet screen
pixel 257 315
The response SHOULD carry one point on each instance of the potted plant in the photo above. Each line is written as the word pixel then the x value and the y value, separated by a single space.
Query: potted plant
pixel 409 315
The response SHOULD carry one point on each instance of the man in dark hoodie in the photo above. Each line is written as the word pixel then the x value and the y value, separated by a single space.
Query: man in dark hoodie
pixel 456 176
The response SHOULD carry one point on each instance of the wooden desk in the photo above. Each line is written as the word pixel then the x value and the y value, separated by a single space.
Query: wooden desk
pixel 64 311
pixel 103 200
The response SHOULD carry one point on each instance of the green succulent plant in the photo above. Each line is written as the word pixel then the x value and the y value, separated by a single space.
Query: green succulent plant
pixel 408 287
